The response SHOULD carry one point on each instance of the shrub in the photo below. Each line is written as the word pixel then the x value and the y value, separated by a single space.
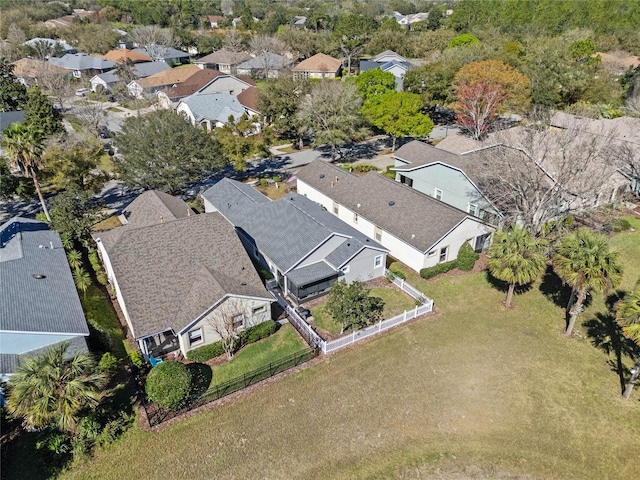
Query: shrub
pixel 108 363
pixel 263 182
pixel 258 332
pixel 364 168
pixel 168 384
pixel 206 352
pixel 619 225
pixel 390 173
pixel 135 356
pixel 397 272
pixel 101 277
pixel 431 272
pixel 277 179
pixel 467 257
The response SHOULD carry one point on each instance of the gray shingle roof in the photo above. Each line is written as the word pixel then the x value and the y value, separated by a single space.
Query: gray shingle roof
pixel 285 230
pixel 415 218
pixel 8 118
pixel 272 60
pixel 214 106
pixel 82 61
pixel 171 273
pixel 162 52
pixel 311 273
pixel 28 304
pixel 146 69
pixel 225 57
pixel 9 361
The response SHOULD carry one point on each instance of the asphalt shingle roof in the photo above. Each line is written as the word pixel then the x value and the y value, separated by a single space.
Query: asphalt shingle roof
pixel 415 218
pixel 213 106
pixel 285 230
pixel 9 361
pixel 27 304
pixel 320 62
pixel 311 273
pixel 272 60
pixel 171 273
pixel 82 61
pixel 225 57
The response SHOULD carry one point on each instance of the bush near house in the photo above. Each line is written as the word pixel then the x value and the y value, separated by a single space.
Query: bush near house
pixel 250 335
pixel 444 267
pixel 168 384
pixel 467 257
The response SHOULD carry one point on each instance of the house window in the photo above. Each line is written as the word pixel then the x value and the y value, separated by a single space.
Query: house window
pixel 260 309
pixel 473 209
pixel 238 322
pixel 377 234
pixel 195 336
pixel 406 180
pixel 377 262
pixel 443 254
pixel 355 218
pixel 336 208
pixel 431 253
pixel 345 269
pixel 437 194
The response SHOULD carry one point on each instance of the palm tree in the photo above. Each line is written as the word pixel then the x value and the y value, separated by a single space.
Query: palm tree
pixel 51 389
pixel 584 262
pixel 82 280
pixel 516 257
pixel 75 259
pixel 24 146
pixel 628 317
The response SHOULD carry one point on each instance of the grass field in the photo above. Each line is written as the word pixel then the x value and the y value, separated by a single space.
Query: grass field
pixel 281 344
pixel 395 302
pixel 473 392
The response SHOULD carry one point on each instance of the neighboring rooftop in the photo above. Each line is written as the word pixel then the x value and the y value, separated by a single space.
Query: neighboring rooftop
pixel 31 67
pixel 8 118
pixel 38 294
pixel 267 59
pixel 288 229
pixel 320 62
pixel 194 83
pixel 82 61
pixel 414 217
pixel 162 53
pixel 122 55
pixel 225 57
pixel 250 98
pixel 168 77
pixel 171 273
pixel 213 106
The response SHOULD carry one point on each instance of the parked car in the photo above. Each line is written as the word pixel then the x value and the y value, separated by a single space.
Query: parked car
pixel 104 132
pixel 83 92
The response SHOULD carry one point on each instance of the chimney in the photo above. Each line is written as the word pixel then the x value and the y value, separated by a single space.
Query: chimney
pixel 161 219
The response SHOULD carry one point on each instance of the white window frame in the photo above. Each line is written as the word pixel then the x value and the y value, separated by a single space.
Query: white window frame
pixel 355 217
pixel 235 321
pixel 259 310
pixel 437 194
pixel 336 208
pixel 377 234
pixel 377 261
pixel 472 208
pixel 432 253
pixel 193 333
pixel 446 254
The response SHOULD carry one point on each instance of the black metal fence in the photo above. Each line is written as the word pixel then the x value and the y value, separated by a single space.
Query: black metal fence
pixel 157 415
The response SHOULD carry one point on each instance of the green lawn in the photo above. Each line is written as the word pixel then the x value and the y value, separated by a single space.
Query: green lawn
pixel 473 392
pixel 283 343
pixel 100 313
pixel 395 302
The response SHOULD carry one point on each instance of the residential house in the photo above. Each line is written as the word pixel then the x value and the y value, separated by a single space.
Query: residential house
pixel 408 20
pixel 39 304
pixel 122 55
pixel 9 118
pixel 305 247
pixel 389 61
pixel 418 230
pixel 42 45
pixel 28 70
pixel 264 65
pixel 318 66
pixel 224 60
pixel 178 275
pixel 210 110
pixel 160 53
pixel 67 20
pixel 161 80
pixel 82 64
pixel 110 79
pixel 206 80
pixel 298 21
pixel 446 176
pixel 214 20
pixel 250 99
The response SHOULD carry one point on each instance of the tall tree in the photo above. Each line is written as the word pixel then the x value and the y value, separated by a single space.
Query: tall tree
pixel 330 115
pixel 374 82
pixel 162 150
pixel 494 73
pixel 279 100
pixel 515 257
pixel 13 94
pixel 40 115
pixel 74 212
pixel 24 147
pixel 398 114
pixel 628 317
pixel 240 143
pixel 584 261
pixel 155 40
pixel 67 165
pixel 352 306
pixel 353 31
pixel 51 389
pixel 477 106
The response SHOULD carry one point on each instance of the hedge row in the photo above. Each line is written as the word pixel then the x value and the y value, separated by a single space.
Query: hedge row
pixel 250 335
pixel 431 272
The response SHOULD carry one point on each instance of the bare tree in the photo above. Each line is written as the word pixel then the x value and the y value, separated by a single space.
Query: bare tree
pixel 477 106
pixel 14 46
pixel 234 41
pixel 57 84
pixel 536 174
pixel 155 40
pixel 227 320
pixel 267 50
pixel 91 113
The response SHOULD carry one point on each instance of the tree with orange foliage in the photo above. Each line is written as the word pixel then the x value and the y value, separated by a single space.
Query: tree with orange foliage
pixel 493 73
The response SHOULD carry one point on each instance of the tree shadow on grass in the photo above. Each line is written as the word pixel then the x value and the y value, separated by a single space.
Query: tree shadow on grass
pixel 555 289
pixel 606 335
pixel 201 375
pixel 503 286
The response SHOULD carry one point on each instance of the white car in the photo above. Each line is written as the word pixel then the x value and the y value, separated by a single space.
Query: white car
pixel 82 92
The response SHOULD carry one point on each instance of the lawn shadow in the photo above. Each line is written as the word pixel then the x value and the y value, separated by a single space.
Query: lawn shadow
pixel 201 375
pixel 503 286
pixel 555 289
pixel 21 458
pixel 606 335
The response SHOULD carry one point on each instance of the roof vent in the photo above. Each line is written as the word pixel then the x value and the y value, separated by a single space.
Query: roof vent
pixel 391 203
pixel 322 175
pixel 358 205
pixel 38 276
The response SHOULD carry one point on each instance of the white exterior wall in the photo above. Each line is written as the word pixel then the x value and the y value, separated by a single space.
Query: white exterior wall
pixel 230 306
pixel 468 229
pixel 185 110
pixel 362 266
